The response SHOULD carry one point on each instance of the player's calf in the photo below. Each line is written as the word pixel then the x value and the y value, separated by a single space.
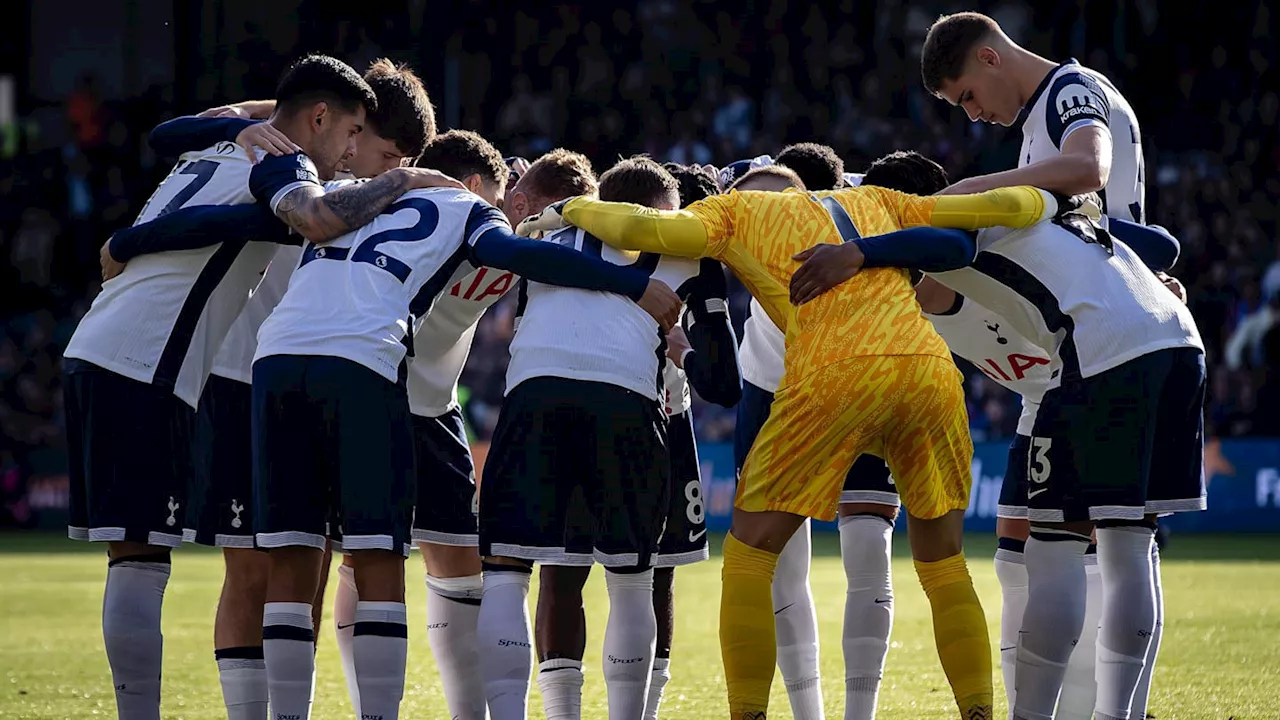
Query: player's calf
pixel 1054 615
pixel 237 633
pixel 795 623
pixel 561 635
pixel 959 626
pixel 454 589
pixel 380 637
pixel 748 642
pixel 664 611
pixel 866 531
pixel 505 659
pixel 629 639
pixel 137 575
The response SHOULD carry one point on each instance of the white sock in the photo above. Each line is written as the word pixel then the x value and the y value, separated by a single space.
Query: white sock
pixel 1138 711
pixel 795 622
pixel 560 681
pixel 243 675
pixel 630 639
pixel 344 627
pixel 506 658
pixel 289 648
pixel 380 649
pixel 453 617
pixel 658 680
pixel 1079 688
pixel 1128 616
pixel 1052 620
pixel 1011 571
pixel 131 605
pixel 868 610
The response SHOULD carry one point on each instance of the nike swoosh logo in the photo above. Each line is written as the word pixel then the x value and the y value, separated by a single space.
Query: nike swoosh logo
pixel 344 627
pixel 693 536
pixel 1011 647
pixel 1034 493
pixel 779 611
pixel 881 602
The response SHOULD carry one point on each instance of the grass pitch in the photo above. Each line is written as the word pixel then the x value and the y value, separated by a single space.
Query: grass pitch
pixel 1220 657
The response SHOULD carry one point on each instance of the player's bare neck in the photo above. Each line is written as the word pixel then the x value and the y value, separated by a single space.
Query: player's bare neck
pixel 1029 69
pixel 295 128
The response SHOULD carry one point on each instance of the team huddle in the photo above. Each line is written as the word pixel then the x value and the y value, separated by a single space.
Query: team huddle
pixel 272 368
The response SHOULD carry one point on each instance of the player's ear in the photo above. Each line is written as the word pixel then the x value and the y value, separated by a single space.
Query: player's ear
pixel 519 204
pixel 319 113
pixel 988 56
pixel 474 183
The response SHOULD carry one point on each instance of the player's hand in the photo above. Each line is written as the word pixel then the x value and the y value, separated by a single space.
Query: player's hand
pixel 547 221
pixel 1175 286
pixel 110 266
pixel 967 186
pixel 267 138
pixel 661 302
pixel 677 344
pixel 517 165
pixel 421 178
pixel 1087 204
pixel 225 111
pixel 825 266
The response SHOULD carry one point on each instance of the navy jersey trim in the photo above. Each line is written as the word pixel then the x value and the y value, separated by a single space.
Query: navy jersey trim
pixel 1035 96
pixel 184 326
pixel 431 289
pixel 1094 106
pixel 275 172
pixel 1016 278
pixel 844 224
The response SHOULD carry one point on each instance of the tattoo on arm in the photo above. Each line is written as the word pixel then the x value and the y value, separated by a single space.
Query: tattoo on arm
pixel 356 205
pixel 321 217
pixel 297 209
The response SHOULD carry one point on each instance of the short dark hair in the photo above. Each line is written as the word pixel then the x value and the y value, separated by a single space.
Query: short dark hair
pixel 638 180
pixel 404 115
pixel 320 78
pixel 461 153
pixel 908 172
pixel 778 171
pixel 948 45
pixel 560 174
pixel 695 182
pixel 817 165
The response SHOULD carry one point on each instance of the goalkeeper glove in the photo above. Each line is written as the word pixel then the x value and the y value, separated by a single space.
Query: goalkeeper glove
pixel 547 221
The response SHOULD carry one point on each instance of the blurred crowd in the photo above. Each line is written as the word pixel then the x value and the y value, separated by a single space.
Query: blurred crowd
pixel 712 82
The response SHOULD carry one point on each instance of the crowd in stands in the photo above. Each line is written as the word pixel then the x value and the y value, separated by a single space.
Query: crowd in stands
pixel 711 82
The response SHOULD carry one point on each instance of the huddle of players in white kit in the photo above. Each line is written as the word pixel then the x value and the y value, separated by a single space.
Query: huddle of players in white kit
pixel 331 420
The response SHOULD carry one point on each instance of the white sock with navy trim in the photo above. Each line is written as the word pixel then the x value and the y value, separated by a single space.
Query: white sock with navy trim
pixel 289 650
pixel 380 649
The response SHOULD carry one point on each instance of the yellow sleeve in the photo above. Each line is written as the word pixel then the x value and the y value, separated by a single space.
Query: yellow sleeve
pixel 1015 207
pixel 634 227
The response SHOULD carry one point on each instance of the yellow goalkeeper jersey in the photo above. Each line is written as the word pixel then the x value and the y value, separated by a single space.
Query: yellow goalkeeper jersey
pixel 757 233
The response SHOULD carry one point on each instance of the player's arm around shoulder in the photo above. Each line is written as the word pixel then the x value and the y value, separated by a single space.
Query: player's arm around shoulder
pixel 302 203
pixel 691 232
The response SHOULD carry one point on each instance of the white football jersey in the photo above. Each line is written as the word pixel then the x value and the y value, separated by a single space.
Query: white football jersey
pixel 234 360
pixel 1090 310
pixel 442 340
pixel 594 336
pixel 994 347
pixel 163 319
pixel 762 349
pixel 355 297
pixel 1074 97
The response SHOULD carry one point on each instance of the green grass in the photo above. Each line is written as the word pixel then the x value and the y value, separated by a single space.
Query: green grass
pixel 1220 658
